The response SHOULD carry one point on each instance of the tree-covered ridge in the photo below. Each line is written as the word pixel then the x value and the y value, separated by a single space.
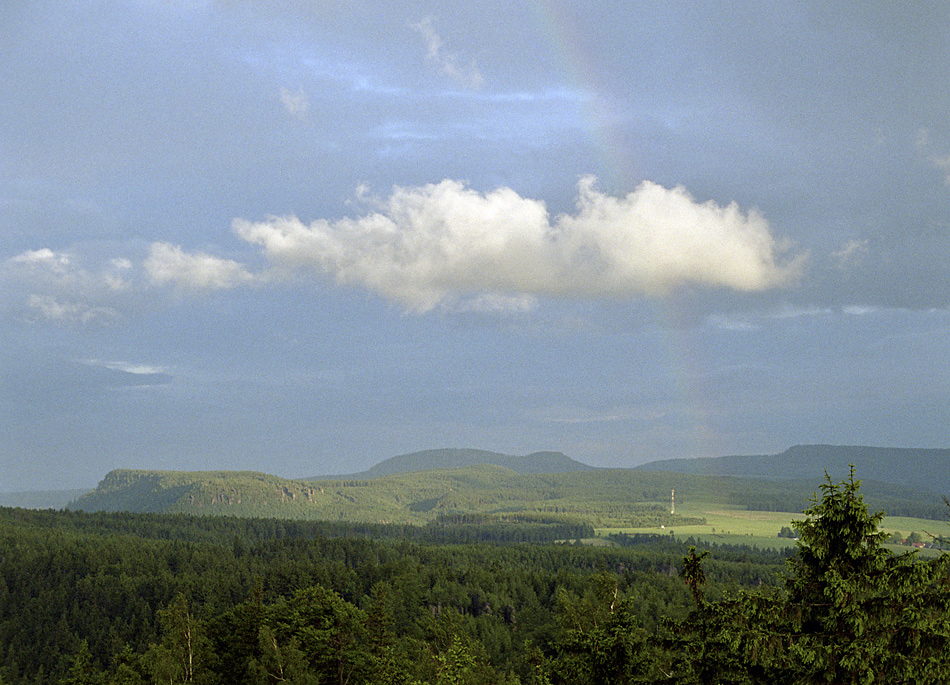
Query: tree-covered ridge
pixel 914 469
pixel 402 498
pixel 600 498
pixel 454 458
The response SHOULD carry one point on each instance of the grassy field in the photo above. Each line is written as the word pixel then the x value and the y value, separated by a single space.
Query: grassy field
pixel 761 528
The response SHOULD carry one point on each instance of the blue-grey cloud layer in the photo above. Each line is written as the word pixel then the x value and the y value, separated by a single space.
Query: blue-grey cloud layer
pixel 215 216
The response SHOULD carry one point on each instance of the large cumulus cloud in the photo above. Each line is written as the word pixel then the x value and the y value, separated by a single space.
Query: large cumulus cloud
pixel 443 243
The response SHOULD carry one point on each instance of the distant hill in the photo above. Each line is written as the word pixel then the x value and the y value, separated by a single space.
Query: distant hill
pixel 428 460
pixel 924 469
pixel 599 497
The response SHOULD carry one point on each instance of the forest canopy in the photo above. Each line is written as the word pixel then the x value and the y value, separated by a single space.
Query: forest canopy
pixel 141 598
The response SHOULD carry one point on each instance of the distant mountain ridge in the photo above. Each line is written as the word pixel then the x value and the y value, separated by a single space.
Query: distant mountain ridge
pixel 922 468
pixel 421 487
pixel 455 458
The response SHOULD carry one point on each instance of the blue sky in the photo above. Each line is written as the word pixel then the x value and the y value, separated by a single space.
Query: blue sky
pixel 306 237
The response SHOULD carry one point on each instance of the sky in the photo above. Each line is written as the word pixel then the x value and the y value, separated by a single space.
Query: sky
pixel 302 237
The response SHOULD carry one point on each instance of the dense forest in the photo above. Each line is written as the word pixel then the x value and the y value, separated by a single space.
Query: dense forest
pixel 148 598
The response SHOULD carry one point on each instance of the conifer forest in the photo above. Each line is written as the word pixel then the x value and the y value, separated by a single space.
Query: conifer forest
pixel 110 598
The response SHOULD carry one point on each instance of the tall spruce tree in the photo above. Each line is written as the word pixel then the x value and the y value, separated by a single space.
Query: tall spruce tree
pixel 853 611
pixel 858 613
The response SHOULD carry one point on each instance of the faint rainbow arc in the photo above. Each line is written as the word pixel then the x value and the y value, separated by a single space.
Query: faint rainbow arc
pixel 681 359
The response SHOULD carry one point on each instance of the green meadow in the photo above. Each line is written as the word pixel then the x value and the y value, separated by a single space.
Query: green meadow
pixel 736 526
pixel 721 510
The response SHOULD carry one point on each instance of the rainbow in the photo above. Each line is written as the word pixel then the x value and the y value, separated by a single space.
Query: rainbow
pixel 556 20
pixel 681 357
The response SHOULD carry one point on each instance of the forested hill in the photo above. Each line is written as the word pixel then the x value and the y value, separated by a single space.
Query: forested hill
pixel 485 490
pixel 428 460
pixel 601 497
pixel 926 469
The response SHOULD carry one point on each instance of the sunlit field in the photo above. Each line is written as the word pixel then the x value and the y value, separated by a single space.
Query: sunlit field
pixel 761 528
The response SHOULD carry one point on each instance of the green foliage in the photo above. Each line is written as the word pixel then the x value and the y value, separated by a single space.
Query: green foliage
pixel 693 575
pixel 600 639
pixel 599 498
pixel 855 601
pixel 328 631
pixel 139 598
pixel 853 612
pixel 184 654
pixel 909 471
pixel 83 671
pixel 123 582
pixel 429 460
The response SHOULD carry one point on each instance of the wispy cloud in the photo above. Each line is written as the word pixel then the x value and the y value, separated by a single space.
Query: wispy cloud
pixel 59 310
pixel 122 373
pixel 850 254
pixel 753 321
pixel 860 310
pixel 939 160
pixel 168 264
pixel 439 244
pixel 295 102
pixel 129 367
pixel 448 63
pixel 942 162
pixel 55 285
pixel 64 271
pixel 44 258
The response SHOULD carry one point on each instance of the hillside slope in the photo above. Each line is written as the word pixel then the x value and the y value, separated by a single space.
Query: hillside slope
pixel 924 469
pixel 454 458
pixel 602 498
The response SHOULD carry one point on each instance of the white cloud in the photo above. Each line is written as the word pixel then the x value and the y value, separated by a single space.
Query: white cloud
pixel 63 287
pixel 44 258
pixel 447 63
pixel 63 272
pixel 56 286
pixel 129 367
pixel 428 246
pixel 130 373
pixel 50 308
pixel 851 253
pixel 732 322
pixel 860 310
pixel 296 103
pixel 753 321
pixel 496 303
pixel 169 264
pixel 788 311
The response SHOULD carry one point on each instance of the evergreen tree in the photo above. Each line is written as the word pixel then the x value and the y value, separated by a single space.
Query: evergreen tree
pixel 83 671
pixel 853 612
